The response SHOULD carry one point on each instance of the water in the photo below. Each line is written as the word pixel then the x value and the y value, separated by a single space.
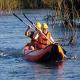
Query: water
pixel 13 66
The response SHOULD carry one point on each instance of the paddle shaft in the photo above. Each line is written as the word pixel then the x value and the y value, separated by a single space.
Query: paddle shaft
pixel 28 19
pixel 22 20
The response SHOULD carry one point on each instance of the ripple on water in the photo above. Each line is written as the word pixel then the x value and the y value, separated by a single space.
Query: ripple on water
pixel 12 64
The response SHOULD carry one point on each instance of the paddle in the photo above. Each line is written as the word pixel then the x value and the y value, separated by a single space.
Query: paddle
pixel 22 20
pixel 19 18
pixel 28 19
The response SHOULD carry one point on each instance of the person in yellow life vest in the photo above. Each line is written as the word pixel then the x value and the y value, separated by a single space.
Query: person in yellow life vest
pixel 37 33
pixel 30 34
pixel 45 38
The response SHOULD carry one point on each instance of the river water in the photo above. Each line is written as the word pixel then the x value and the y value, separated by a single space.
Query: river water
pixel 13 66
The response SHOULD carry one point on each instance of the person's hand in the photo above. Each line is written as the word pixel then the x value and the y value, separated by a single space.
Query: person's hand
pixel 29 27
pixel 55 42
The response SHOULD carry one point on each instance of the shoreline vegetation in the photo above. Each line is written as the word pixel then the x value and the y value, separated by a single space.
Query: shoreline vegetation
pixel 11 5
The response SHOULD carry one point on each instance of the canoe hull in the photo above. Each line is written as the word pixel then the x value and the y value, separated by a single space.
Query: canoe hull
pixel 50 53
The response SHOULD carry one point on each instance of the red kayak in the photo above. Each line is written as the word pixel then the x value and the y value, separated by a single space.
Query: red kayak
pixel 53 52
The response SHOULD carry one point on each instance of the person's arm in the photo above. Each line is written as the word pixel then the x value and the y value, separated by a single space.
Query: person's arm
pixel 52 40
pixel 35 36
pixel 28 32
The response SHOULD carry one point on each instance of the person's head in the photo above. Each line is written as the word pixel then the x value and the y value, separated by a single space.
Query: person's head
pixel 38 25
pixel 45 28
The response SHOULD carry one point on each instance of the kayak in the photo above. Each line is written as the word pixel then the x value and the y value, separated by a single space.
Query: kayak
pixel 53 52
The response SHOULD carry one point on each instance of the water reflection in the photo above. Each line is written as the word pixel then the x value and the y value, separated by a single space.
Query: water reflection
pixel 49 71
pixel 60 71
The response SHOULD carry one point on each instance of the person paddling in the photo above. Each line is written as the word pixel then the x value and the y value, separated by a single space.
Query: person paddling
pixel 30 34
pixel 41 40
pixel 46 41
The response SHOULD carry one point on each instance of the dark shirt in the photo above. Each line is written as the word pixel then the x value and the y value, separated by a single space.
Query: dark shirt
pixel 30 34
